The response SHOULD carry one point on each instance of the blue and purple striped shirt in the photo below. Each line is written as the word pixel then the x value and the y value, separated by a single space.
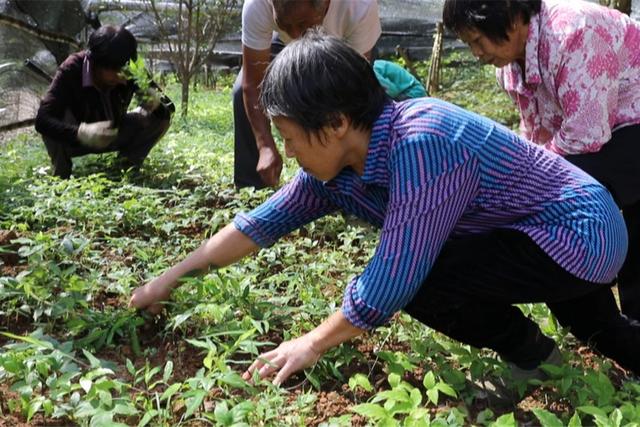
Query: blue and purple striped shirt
pixel 435 171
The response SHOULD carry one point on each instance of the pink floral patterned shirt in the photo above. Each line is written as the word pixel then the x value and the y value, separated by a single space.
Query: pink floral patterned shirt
pixel 582 77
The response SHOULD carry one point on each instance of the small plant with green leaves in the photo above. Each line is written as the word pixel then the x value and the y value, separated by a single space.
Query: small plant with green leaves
pixel 402 404
pixel 136 70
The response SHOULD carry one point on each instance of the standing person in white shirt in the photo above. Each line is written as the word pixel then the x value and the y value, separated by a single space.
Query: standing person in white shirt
pixel 266 25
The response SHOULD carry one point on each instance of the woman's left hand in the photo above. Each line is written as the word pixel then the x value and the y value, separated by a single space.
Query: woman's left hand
pixel 289 357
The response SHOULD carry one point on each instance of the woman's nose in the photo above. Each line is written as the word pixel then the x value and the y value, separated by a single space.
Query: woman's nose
pixel 476 51
pixel 296 32
pixel 288 151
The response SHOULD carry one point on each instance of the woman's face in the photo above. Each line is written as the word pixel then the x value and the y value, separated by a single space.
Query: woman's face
pixel 322 157
pixel 497 53
pixel 107 78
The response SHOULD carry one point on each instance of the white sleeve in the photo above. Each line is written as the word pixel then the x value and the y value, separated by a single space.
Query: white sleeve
pixel 367 30
pixel 257 24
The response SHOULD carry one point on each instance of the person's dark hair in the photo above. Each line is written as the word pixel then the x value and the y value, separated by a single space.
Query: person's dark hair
pixel 112 47
pixel 493 18
pixel 317 78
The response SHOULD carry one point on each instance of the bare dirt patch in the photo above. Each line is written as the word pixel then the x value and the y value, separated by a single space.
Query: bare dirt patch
pixel 8 251
pixel 333 404
pixel 16 324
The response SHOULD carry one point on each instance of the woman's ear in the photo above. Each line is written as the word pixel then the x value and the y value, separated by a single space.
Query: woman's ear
pixel 336 130
pixel 342 126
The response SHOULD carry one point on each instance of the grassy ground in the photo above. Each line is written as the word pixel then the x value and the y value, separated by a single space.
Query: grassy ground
pixel 71 353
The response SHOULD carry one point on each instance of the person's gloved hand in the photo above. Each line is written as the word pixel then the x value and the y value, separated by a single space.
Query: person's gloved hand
pixel 97 135
pixel 151 99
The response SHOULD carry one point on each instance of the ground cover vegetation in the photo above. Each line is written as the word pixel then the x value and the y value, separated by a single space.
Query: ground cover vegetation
pixel 72 353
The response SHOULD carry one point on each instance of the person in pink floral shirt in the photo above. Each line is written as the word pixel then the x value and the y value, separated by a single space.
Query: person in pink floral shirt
pixel 573 70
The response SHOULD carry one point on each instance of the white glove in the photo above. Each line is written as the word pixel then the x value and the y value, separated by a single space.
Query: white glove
pixel 151 99
pixel 97 135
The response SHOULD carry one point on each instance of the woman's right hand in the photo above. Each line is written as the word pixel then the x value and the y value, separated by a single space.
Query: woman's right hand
pixel 150 296
pixel 224 248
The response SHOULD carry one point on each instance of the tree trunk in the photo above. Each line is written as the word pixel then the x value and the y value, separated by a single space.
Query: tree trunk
pixel 433 80
pixel 624 6
pixel 185 97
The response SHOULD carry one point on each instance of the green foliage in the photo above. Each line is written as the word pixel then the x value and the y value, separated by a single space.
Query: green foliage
pixel 360 381
pixel 137 71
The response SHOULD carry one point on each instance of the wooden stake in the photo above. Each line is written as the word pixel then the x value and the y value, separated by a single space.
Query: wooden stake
pixel 434 68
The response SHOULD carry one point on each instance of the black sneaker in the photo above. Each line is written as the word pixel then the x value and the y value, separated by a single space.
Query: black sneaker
pixel 501 392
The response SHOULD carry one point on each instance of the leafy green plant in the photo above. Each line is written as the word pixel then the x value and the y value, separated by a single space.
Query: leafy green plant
pixel 402 404
pixel 137 71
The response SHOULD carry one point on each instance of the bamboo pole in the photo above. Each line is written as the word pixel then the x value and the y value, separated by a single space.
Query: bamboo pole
pixel 434 68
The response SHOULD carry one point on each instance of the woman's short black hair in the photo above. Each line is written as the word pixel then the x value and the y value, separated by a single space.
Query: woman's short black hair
pixel 493 18
pixel 112 47
pixel 318 78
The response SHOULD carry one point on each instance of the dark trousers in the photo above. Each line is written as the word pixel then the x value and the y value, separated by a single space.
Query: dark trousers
pixel 245 151
pixel 617 167
pixel 470 292
pixel 137 134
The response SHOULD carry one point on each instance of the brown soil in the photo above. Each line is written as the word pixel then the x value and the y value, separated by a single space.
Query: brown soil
pixel 17 325
pixel 10 258
pixel 193 230
pixel 109 255
pixel 333 404
pixel 616 374
pixel 103 300
pixel 11 270
pixel 187 360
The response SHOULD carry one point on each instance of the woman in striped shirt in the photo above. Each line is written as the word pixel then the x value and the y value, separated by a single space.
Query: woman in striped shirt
pixel 473 219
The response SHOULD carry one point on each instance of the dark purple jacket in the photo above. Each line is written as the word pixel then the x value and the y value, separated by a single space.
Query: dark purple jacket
pixel 67 92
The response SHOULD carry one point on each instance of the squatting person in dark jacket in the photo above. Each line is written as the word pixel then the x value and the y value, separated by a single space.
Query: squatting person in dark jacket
pixel 85 109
